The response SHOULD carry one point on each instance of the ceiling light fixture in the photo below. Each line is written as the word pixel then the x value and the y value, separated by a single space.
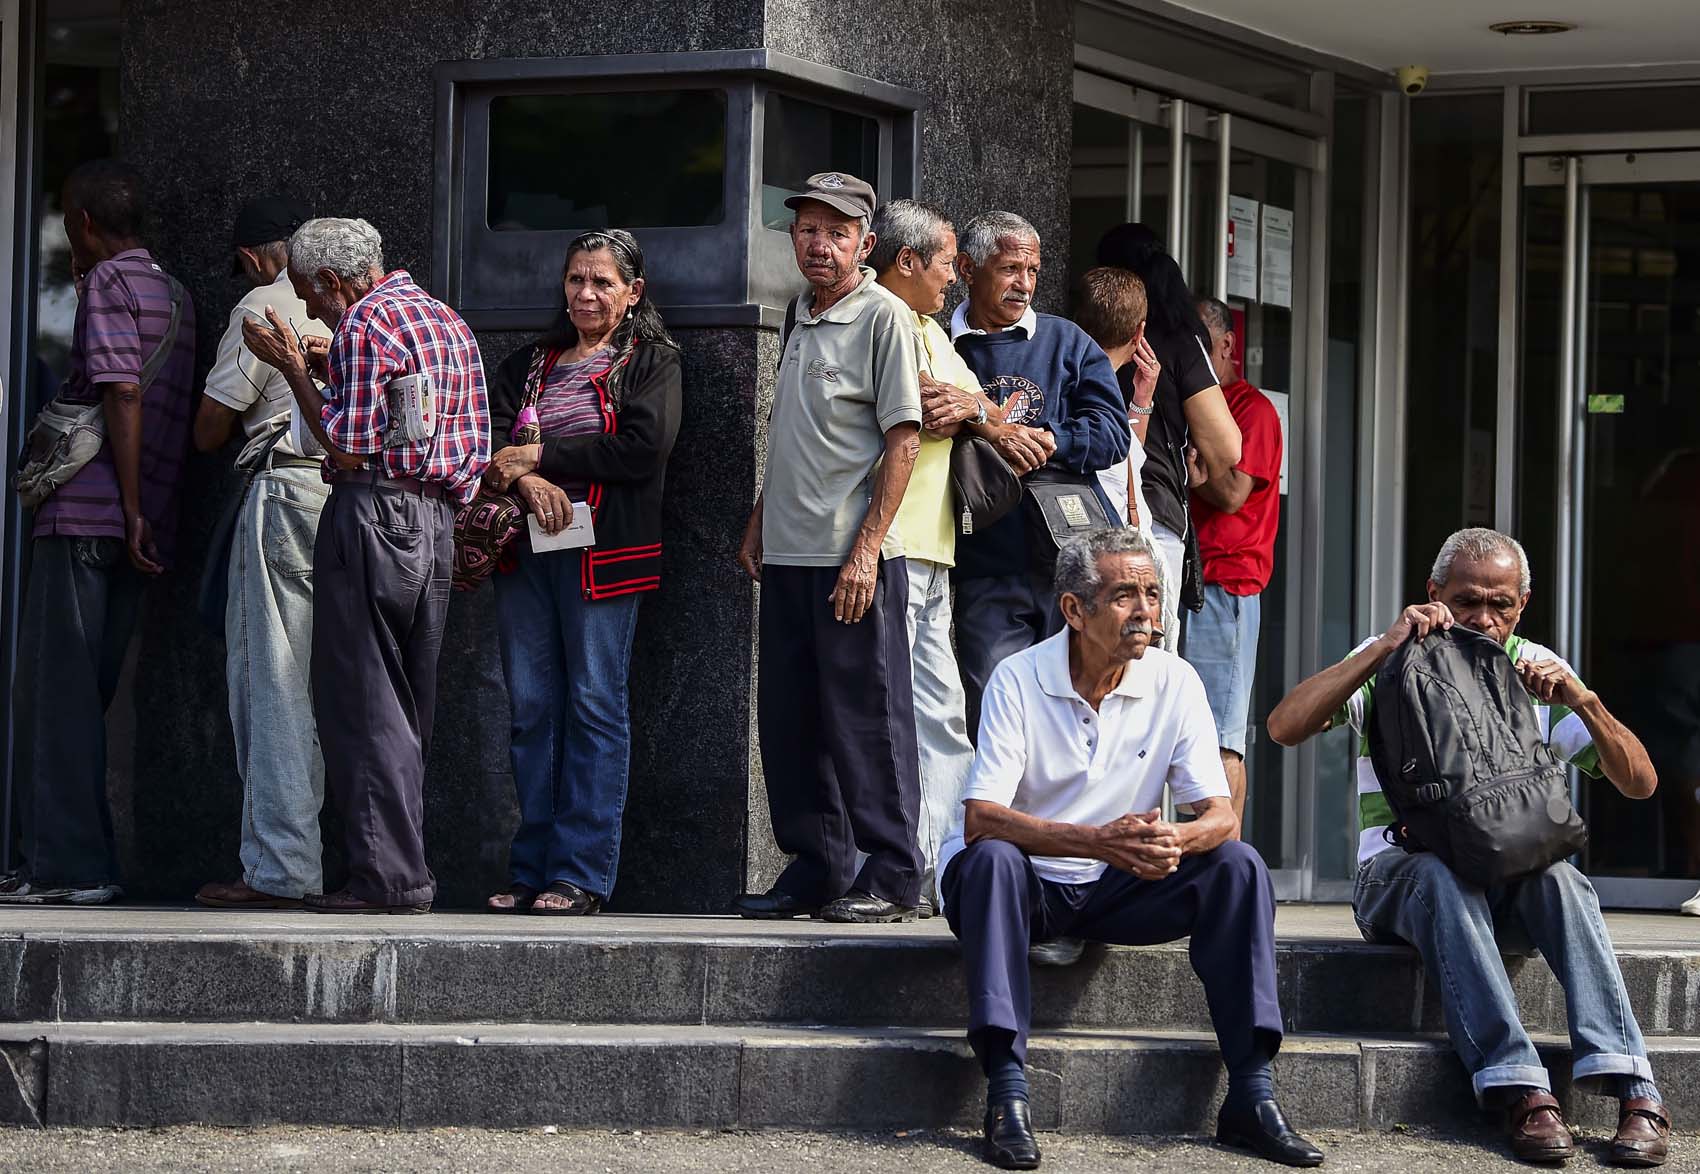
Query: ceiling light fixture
pixel 1531 28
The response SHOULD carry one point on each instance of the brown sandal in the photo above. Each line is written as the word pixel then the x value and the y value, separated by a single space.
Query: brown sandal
pixel 516 898
pixel 562 899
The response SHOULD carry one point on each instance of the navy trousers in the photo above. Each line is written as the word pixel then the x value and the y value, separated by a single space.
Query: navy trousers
pixel 836 712
pixel 997 905
pixel 995 619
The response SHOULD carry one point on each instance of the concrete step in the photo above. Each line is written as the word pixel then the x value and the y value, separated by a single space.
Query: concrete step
pixel 150 1074
pixel 713 971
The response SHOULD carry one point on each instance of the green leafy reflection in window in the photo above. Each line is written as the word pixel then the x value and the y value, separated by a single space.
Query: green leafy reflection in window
pixel 581 161
pixel 801 138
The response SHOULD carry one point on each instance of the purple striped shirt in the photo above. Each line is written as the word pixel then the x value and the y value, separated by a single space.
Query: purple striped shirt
pixel 570 405
pixel 122 316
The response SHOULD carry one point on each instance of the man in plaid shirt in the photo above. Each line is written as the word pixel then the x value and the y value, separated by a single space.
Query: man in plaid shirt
pixel 382 563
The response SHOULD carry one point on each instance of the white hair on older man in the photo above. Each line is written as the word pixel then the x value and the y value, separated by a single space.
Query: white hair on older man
pixel 351 249
pixel 907 224
pixel 1475 543
pixel 1077 561
pixel 980 239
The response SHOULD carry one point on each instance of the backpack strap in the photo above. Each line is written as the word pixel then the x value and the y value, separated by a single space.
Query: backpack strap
pixel 168 341
pixel 790 323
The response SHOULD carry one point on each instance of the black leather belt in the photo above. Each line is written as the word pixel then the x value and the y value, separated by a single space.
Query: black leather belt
pixel 378 480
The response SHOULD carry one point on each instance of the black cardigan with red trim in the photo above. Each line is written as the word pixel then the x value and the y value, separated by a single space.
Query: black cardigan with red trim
pixel 625 464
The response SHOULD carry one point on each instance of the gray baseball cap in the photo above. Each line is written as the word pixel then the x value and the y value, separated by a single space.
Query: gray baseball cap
pixel 837 189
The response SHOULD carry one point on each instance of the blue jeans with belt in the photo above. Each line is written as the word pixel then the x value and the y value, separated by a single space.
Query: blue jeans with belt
pixel 1459 929
pixel 566 659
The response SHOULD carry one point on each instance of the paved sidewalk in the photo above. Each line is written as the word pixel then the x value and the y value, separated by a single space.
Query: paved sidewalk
pixel 498 1151
pixel 1317 923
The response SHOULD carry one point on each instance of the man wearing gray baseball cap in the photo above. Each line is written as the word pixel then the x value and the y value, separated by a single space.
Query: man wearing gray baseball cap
pixel 834 705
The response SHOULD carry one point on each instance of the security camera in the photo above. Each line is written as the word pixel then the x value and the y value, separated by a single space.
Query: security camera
pixel 1412 79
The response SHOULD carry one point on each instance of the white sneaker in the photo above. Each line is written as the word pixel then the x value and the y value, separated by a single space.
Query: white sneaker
pixel 98 895
pixel 1690 906
pixel 14 890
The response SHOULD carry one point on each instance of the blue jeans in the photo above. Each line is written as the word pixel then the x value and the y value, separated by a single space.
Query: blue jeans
pixel 268 634
pixel 1458 929
pixel 566 659
pixel 1221 643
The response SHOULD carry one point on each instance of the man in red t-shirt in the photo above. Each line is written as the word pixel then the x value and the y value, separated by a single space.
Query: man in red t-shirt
pixel 1237 515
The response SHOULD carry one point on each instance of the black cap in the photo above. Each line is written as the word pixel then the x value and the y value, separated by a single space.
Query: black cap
pixel 836 189
pixel 266 219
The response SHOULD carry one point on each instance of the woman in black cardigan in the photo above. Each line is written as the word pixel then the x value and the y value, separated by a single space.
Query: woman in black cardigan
pixel 603 385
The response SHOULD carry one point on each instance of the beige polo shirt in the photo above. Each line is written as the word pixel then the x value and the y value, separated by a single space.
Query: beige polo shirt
pixel 846 378
pixel 242 383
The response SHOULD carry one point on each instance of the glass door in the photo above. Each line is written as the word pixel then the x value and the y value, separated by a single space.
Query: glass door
pixel 1612 330
pixel 1240 232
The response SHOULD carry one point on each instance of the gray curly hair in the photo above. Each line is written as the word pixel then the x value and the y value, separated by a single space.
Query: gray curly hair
pixel 351 249
pixel 1479 542
pixel 1077 561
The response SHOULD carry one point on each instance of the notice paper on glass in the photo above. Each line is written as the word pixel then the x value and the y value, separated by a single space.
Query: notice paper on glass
pixel 1277 256
pixel 1242 248
pixel 1283 407
pixel 578 532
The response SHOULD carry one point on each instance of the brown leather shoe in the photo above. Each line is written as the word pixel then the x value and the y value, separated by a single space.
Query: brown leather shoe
pixel 1538 1131
pixel 1643 1134
pixel 237 894
pixel 344 901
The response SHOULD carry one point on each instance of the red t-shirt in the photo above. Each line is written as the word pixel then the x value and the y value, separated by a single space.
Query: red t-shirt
pixel 1239 549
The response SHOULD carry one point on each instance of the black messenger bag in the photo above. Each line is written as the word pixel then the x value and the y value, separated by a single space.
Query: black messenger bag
pixel 1458 749
pixel 1059 505
pixel 983 486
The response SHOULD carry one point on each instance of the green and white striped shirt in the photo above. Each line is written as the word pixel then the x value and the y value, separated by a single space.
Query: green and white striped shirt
pixel 1562 729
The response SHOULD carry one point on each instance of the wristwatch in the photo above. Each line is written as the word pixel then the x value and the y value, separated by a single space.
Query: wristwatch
pixel 981 404
pixel 1139 411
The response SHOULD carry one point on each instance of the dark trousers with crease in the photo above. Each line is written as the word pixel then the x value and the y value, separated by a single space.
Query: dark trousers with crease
pixel 80 610
pixel 381 569
pixel 997 905
pixel 996 618
pixel 836 712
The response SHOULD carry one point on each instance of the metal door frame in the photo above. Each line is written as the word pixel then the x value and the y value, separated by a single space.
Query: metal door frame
pixel 1153 101
pixel 1578 164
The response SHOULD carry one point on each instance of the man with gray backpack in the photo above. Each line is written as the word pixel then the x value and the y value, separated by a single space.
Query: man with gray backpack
pixel 101 471
pixel 1464 732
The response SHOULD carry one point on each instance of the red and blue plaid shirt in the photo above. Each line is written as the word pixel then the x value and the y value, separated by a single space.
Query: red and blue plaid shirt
pixel 398 329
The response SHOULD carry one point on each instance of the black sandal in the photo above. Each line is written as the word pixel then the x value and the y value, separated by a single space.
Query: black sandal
pixel 523 896
pixel 579 903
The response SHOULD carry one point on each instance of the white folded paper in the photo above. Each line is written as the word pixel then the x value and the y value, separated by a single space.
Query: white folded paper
pixel 579 532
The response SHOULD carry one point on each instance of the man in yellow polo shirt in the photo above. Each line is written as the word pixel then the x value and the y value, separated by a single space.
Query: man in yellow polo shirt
pixel 913 255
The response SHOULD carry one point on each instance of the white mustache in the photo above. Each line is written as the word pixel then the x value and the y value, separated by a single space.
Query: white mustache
pixel 1138 628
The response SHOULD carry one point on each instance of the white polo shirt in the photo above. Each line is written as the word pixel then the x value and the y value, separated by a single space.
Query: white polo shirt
pixel 1045 752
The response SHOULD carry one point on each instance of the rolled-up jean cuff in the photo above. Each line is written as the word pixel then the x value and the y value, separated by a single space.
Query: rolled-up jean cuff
pixel 1590 1071
pixel 1506 1075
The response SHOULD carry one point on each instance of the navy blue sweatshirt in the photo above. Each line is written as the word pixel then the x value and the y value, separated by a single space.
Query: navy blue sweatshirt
pixel 1059 380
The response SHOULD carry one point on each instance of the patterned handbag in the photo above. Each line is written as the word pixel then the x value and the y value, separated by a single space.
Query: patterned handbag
pixel 486 526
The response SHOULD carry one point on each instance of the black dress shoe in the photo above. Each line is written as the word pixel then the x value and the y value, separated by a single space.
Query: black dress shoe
pixel 1262 1129
pixel 1010 1144
pixel 865 909
pixel 772 905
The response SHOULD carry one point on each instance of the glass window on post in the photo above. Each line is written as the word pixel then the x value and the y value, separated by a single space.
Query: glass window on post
pixel 804 138
pixel 639 160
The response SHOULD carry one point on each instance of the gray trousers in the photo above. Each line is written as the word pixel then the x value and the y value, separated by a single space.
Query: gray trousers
pixel 80 609
pixel 381 570
pixel 268 635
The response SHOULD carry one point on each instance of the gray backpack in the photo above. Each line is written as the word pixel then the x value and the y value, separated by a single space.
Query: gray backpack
pixel 67 434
